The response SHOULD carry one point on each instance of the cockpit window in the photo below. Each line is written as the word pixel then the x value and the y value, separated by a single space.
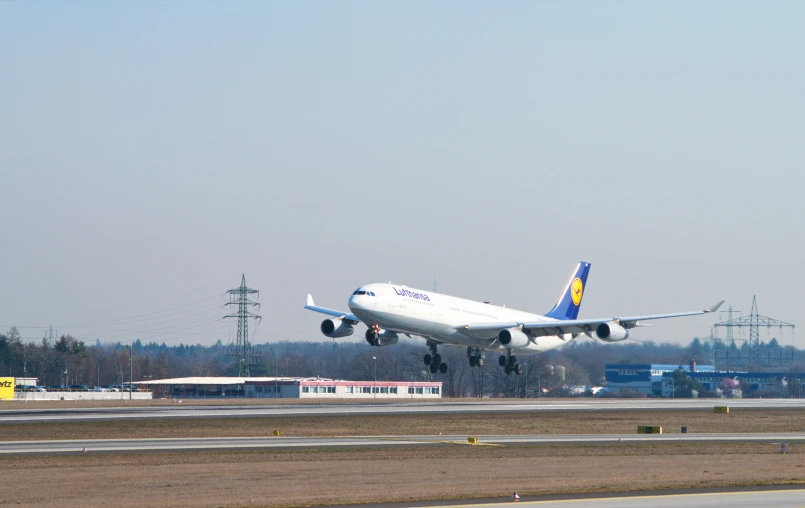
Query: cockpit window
pixel 370 293
pixel 359 292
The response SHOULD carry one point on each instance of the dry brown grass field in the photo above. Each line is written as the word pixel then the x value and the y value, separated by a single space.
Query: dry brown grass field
pixel 308 478
pixel 325 477
pixel 599 422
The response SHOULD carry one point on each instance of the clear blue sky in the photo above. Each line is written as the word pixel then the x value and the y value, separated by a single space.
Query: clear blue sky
pixel 151 152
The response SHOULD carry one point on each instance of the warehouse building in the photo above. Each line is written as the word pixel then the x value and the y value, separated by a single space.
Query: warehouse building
pixel 290 388
pixel 645 378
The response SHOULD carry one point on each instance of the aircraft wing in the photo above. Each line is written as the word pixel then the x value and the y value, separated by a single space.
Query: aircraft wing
pixel 346 316
pixel 576 326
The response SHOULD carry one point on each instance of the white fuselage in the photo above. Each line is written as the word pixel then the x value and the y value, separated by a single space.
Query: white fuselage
pixel 441 317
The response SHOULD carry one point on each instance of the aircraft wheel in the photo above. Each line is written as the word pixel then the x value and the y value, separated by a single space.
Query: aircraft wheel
pixel 434 368
pixel 473 361
pixel 437 359
pixel 443 368
pixel 428 359
pixel 502 361
pixel 512 360
pixel 508 370
pixel 518 368
pixel 480 361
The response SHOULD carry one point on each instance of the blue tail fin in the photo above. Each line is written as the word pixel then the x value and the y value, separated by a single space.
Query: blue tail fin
pixel 568 305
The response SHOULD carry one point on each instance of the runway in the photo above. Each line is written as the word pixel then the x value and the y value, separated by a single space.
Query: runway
pixel 279 443
pixel 186 410
pixel 779 498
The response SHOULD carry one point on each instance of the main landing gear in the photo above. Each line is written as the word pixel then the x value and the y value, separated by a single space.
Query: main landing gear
pixel 434 359
pixel 509 363
pixel 476 356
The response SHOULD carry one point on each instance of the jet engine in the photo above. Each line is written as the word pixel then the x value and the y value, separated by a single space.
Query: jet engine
pixel 513 338
pixel 335 327
pixel 611 332
pixel 380 337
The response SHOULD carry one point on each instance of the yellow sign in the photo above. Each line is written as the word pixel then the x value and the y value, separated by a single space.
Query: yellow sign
pixel 645 429
pixel 7 388
pixel 576 290
pixel 721 409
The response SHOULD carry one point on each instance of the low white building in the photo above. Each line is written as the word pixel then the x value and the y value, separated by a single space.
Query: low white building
pixel 290 388
pixel 329 388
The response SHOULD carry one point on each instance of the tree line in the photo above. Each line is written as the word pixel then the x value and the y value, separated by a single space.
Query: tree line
pixel 68 360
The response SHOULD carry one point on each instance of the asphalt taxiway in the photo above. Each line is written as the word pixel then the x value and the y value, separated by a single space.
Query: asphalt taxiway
pixel 779 497
pixel 268 443
pixel 187 410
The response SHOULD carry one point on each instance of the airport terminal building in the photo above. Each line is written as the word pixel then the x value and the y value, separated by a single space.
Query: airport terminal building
pixel 291 388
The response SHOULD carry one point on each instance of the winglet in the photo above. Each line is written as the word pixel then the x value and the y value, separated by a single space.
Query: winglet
pixel 715 307
pixel 310 301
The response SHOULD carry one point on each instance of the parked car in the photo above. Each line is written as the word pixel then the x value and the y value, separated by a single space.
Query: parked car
pixel 99 389
pixel 113 388
pixel 78 388
pixel 35 389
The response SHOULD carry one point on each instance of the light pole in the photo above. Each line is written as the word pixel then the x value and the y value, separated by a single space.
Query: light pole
pixel 131 370
pixel 276 373
pixel 374 388
pixel 525 395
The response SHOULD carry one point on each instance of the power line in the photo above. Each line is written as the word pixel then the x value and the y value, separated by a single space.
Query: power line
pixel 133 319
pixel 125 306
pixel 174 338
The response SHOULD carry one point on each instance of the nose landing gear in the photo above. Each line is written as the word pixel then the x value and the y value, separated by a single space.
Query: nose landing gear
pixel 373 335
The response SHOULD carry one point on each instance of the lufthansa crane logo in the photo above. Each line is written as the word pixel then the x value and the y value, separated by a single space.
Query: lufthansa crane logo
pixel 576 290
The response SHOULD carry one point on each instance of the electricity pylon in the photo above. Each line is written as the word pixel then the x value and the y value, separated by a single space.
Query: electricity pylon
pixel 241 352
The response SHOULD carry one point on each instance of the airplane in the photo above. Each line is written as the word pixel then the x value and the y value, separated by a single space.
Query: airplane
pixel 389 310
